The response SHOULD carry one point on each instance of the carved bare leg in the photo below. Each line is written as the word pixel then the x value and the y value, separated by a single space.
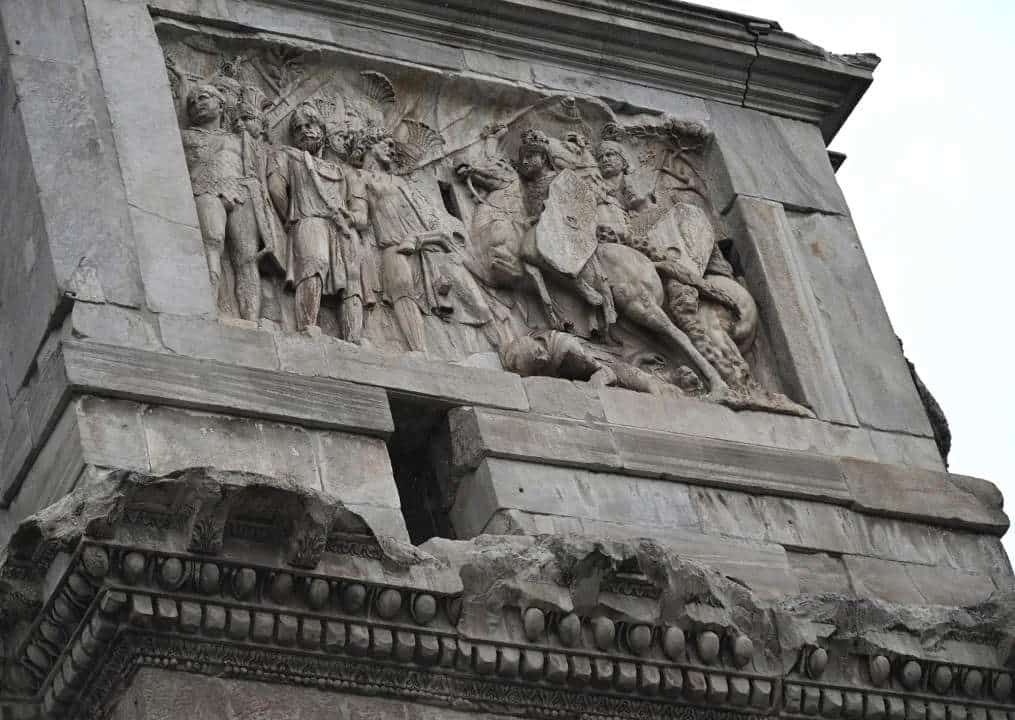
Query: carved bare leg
pixel 211 215
pixel 649 315
pixel 549 306
pixel 351 319
pixel 244 238
pixel 308 301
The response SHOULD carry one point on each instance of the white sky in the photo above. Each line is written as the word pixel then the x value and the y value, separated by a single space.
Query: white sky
pixel 929 149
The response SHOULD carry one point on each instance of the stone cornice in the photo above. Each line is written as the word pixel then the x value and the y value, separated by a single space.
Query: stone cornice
pixel 673 46
pixel 116 609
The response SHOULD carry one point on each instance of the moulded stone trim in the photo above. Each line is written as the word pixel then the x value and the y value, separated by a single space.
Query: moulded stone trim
pixel 117 609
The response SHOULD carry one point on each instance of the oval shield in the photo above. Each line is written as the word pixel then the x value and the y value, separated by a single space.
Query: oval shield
pixel 684 234
pixel 566 232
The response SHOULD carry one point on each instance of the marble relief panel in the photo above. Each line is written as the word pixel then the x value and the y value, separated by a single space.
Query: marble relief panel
pixel 474 221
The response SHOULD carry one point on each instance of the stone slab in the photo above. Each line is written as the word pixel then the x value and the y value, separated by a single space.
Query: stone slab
pixel 178 440
pixel 864 341
pixel 819 573
pixel 927 496
pixel 477 433
pixel 112 433
pixel 206 384
pixel 53 473
pixel 505 484
pixel 695 417
pixel 355 468
pixel 912 493
pixel 16 450
pixel 134 77
pixel 114 325
pixel 74 160
pixel 902 449
pixel 411 375
pixel 770 157
pixel 173 266
pixel 29 291
pixel 223 341
pixel 916 584
pixel 882 579
pixel 799 337
pixel 563 398
pixel 705 461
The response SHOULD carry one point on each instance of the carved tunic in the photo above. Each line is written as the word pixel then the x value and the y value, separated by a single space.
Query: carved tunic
pixel 320 243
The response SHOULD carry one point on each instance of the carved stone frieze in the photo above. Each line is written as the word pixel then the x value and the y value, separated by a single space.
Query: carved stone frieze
pixel 411 210
pixel 117 609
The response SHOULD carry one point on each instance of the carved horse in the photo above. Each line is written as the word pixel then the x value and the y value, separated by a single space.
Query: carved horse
pixel 509 257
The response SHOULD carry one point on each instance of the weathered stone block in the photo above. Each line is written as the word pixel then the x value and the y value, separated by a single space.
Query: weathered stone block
pixel 499 484
pixel 112 433
pixel 776 277
pixel 712 462
pixel 173 266
pixel 694 417
pixel 355 469
pixel 913 493
pixel 415 375
pixel 819 573
pixel 114 325
pixel 181 439
pixel 210 385
pixel 477 433
pixel 144 124
pixel 562 398
pixel 210 340
pixel 772 158
pixel 865 344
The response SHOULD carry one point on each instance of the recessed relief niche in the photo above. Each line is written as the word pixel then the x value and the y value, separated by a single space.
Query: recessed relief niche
pixel 408 210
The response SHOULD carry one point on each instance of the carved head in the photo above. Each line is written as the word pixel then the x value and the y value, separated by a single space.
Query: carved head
pixel 250 112
pixel 534 154
pixel 205 104
pixel 527 356
pixel 385 151
pixel 359 142
pixel 306 127
pixel 612 159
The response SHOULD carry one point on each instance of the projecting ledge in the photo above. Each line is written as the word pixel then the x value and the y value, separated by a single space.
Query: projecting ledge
pixel 876 489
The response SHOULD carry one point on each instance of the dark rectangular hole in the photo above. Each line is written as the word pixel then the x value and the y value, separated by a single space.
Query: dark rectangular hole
pixel 420 451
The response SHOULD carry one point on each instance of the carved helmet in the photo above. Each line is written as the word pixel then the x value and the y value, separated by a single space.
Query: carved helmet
pixel 535 141
pixel 253 102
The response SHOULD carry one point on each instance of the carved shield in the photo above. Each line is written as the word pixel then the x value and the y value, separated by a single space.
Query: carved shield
pixel 566 232
pixel 684 234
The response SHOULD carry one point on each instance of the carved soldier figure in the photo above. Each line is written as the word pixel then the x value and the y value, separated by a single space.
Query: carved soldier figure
pixel 312 194
pixel 403 227
pixel 421 267
pixel 558 354
pixel 540 163
pixel 619 198
pixel 229 193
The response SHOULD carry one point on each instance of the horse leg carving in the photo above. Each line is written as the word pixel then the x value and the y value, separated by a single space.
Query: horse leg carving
pixel 536 276
pixel 650 316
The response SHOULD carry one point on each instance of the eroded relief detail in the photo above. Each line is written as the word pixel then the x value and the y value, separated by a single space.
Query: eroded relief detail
pixel 388 207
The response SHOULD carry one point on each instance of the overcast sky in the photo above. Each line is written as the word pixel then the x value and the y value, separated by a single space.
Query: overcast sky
pixel 929 149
